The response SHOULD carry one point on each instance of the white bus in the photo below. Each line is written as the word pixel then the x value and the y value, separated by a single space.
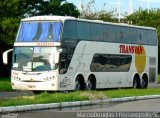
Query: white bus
pixel 65 53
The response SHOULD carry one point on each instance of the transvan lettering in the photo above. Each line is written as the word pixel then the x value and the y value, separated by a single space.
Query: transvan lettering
pixel 131 49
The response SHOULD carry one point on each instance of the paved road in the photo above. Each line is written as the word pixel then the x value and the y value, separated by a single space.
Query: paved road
pixel 151 105
pixel 15 94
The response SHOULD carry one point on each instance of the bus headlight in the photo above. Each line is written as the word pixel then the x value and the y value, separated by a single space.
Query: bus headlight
pixel 16 78
pixel 49 78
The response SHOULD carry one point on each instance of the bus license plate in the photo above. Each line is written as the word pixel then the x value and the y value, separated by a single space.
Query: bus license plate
pixel 31 86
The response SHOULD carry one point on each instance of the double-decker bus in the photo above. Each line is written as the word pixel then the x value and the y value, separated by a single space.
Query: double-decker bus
pixel 65 53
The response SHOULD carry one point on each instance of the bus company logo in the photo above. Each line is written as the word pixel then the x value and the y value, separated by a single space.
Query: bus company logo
pixel 140 55
pixel 45 44
pixel 131 49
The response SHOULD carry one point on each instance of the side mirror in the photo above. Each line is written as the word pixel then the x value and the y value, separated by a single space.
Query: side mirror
pixel 56 58
pixel 5 56
pixel 59 50
pixel 57 54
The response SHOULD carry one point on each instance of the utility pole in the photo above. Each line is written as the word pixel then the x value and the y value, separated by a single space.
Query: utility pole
pixel 141 4
pixel 81 5
pixel 119 12
pixel 130 11
pixel 148 5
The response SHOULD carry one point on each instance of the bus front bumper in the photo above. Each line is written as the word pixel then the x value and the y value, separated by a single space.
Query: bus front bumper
pixel 41 86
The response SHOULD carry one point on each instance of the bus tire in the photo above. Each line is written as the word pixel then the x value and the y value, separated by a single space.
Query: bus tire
pixel 144 81
pixel 136 82
pixel 79 83
pixel 37 92
pixel 91 84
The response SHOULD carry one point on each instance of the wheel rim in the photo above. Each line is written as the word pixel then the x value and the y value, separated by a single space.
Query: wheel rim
pixel 77 85
pixel 135 84
pixel 89 86
pixel 144 83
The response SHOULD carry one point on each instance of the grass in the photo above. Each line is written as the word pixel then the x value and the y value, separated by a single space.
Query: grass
pixel 43 98
pixel 158 78
pixel 132 92
pixel 77 96
pixel 5 84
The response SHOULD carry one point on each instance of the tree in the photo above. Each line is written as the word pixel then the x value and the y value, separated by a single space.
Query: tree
pixel 107 16
pixel 50 7
pixel 69 9
pixel 89 12
pixel 9 19
pixel 55 7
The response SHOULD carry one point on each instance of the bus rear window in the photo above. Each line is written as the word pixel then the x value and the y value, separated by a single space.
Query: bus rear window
pixel 39 32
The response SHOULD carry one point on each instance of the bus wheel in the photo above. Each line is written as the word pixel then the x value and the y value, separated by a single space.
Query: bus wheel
pixel 144 81
pixel 136 82
pixel 37 92
pixel 79 83
pixel 91 84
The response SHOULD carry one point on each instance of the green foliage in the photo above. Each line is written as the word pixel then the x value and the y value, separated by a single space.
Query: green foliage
pixel 107 16
pixel 69 9
pixel 9 26
pixel 131 92
pixel 145 17
pixel 49 7
pixel 159 79
pixel 101 15
pixel 9 8
pixel 89 12
pixel 5 84
pixel 8 21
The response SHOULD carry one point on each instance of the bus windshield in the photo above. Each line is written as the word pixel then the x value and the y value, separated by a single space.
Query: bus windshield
pixel 34 58
pixel 39 32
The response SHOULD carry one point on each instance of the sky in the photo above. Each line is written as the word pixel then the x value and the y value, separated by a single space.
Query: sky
pixel 111 5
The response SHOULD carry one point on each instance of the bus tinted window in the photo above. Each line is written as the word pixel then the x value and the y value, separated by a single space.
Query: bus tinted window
pixel 111 63
pixel 83 30
pixel 96 32
pixel 109 33
pixel 144 37
pixel 70 30
pixel 120 34
pixel 152 37
pixel 131 36
pixel 39 31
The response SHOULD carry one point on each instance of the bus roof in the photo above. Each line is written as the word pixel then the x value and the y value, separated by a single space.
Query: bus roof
pixel 64 18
